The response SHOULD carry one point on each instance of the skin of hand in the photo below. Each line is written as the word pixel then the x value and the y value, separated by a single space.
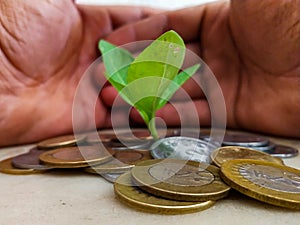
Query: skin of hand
pixel 253 49
pixel 45 48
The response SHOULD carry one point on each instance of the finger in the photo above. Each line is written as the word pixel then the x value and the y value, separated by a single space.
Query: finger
pixel 112 17
pixel 119 117
pixel 187 22
pixel 184 113
pixel 110 97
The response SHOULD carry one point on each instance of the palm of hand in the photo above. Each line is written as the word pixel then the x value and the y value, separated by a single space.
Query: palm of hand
pixel 47 47
pixel 259 69
pixel 253 49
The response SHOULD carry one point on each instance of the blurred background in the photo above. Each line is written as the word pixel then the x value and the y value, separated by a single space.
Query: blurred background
pixel 166 4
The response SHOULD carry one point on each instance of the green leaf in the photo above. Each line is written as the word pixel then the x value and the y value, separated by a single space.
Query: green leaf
pixel 121 88
pixel 159 63
pixel 178 81
pixel 116 61
pixel 150 80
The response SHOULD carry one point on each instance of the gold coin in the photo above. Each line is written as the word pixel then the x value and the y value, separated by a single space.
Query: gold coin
pixel 130 195
pixel 7 167
pixel 265 181
pixel 61 141
pixel 122 162
pixel 223 154
pixel 180 179
pixel 75 157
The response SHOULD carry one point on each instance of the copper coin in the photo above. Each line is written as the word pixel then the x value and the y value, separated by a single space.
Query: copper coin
pixel 7 167
pixel 122 162
pixel 30 160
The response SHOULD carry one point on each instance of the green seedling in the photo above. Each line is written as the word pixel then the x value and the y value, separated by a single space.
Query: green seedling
pixel 148 81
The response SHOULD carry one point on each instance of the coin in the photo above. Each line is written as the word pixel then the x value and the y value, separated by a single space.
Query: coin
pixel 180 180
pixel 61 141
pixel 182 148
pixel 29 160
pixel 223 154
pixel 265 148
pixel 75 157
pixel 130 195
pixel 99 136
pixel 7 167
pixel 265 181
pixel 135 136
pixel 122 161
pixel 121 145
pixel 111 177
pixel 283 151
pixel 244 140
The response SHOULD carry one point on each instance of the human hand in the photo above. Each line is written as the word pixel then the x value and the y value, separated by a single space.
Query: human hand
pixel 253 49
pixel 46 46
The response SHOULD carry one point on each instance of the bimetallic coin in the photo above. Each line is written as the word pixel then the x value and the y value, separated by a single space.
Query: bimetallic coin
pixel 7 167
pixel 223 154
pixel 244 140
pixel 283 151
pixel 180 180
pixel 265 181
pixel 132 196
pixel 61 141
pixel 122 161
pixel 30 160
pixel 75 157
pixel 182 148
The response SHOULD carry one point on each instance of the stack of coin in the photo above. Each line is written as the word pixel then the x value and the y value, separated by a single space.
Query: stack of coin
pixel 180 179
pixel 259 175
pixel 171 186
pixel 258 143
pixel 83 152
pixel 29 163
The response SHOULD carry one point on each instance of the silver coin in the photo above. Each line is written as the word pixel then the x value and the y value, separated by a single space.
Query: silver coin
pixel 185 148
pixel 111 177
pixel 244 140
pixel 266 148
pixel 208 138
pixel 283 151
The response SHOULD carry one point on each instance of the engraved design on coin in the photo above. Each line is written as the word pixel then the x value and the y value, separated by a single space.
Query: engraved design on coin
pixel 272 178
pixel 182 148
pixel 182 175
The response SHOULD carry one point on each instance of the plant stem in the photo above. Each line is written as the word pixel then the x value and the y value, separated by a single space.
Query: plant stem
pixel 152 128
